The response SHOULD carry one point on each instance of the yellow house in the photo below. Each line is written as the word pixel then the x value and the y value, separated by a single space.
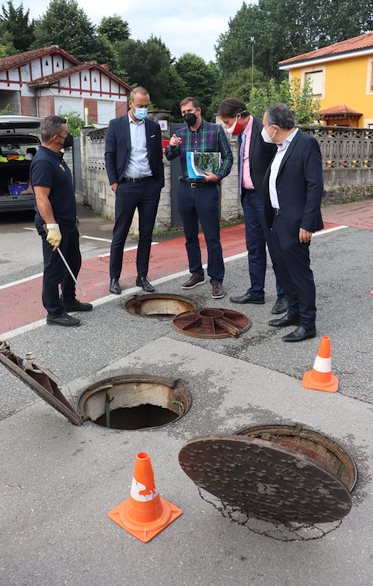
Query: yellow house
pixel 341 77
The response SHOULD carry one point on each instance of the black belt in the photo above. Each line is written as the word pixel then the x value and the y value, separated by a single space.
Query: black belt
pixel 194 184
pixel 276 211
pixel 135 179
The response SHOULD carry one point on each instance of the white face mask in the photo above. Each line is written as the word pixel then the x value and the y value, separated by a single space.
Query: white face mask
pixel 265 135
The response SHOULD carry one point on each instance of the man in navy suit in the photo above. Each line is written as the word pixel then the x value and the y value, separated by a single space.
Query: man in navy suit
pixel 294 188
pixel 254 158
pixel 134 164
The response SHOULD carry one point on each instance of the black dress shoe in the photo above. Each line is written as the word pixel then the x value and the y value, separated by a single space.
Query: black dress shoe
pixel 284 321
pixel 299 335
pixel 280 306
pixel 247 298
pixel 115 287
pixel 76 305
pixel 144 284
pixel 62 320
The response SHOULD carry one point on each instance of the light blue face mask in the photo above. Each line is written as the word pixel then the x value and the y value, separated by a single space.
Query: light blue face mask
pixel 141 113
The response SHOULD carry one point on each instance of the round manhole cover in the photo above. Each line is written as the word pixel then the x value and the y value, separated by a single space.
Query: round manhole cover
pixel 158 305
pixel 317 446
pixel 212 323
pixel 134 402
pixel 265 480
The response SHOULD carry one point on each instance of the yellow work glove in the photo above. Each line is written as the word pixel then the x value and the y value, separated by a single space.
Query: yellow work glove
pixel 54 235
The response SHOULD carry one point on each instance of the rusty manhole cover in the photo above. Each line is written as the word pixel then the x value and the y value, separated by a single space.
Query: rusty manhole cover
pixel 317 446
pixel 265 480
pixel 212 323
pixel 128 401
pixel 158 305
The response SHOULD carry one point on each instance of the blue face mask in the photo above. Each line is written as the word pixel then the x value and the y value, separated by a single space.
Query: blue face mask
pixel 141 113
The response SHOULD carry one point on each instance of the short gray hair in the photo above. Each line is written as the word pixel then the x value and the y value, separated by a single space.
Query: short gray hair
pixel 280 115
pixel 138 90
pixel 50 126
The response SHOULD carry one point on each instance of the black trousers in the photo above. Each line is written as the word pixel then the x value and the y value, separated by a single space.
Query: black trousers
pixel 201 205
pixel 293 267
pixel 144 196
pixel 55 272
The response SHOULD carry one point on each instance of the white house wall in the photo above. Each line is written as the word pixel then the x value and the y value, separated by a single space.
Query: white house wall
pixel 65 105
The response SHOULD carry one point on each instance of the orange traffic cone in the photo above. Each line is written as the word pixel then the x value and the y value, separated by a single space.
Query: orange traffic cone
pixel 320 378
pixel 371 292
pixel 144 514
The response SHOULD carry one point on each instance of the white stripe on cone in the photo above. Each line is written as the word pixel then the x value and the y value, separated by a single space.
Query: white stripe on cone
pixel 136 487
pixel 322 364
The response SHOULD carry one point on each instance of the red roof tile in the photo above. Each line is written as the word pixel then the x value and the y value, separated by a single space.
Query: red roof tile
pixel 359 43
pixel 22 58
pixel 340 110
pixel 48 80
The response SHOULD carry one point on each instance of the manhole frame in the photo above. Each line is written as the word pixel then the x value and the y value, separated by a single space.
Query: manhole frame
pixel 149 297
pixel 118 378
pixel 301 431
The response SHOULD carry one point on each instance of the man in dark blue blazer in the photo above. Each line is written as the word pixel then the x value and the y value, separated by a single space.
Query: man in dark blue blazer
pixel 134 164
pixel 294 188
pixel 254 158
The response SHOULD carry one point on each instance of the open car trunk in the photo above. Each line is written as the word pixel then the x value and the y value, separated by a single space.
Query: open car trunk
pixel 16 153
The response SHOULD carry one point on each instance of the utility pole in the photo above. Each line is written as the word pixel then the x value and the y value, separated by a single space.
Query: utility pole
pixel 252 39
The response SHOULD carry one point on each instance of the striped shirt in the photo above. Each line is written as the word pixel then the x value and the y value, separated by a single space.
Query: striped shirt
pixel 209 138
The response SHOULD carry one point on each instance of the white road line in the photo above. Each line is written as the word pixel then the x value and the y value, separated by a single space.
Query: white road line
pixel 21 281
pixel 28 228
pixel 103 300
pixel 96 238
pixel 125 250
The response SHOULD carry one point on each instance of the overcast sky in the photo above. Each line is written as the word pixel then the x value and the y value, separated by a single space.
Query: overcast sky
pixel 191 26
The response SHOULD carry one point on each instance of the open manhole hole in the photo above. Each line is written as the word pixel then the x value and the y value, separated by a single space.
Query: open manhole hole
pixel 158 305
pixel 290 475
pixel 212 323
pixel 122 401
pixel 134 402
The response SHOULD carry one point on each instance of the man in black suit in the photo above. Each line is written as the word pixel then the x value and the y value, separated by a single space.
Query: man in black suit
pixel 133 156
pixel 294 188
pixel 254 158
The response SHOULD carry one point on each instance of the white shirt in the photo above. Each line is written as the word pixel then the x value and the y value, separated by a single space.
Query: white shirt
pixel 138 164
pixel 276 163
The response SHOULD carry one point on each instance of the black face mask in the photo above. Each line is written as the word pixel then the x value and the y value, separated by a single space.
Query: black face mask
pixel 190 119
pixel 69 141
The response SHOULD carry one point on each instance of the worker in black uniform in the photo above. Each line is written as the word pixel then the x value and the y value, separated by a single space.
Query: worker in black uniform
pixel 56 222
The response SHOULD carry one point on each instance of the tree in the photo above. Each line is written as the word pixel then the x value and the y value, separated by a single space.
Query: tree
pixel 67 25
pixel 282 29
pixel 74 122
pixel 17 23
pixel 200 79
pixel 299 99
pixel 147 63
pixel 114 28
pixel 239 85
pixel 6 45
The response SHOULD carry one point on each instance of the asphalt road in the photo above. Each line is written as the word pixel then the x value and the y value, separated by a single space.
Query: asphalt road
pixel 59 481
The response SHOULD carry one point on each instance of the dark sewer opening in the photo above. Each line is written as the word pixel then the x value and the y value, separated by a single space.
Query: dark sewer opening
pixel 138 417
pixel 131 402
pixel 158 305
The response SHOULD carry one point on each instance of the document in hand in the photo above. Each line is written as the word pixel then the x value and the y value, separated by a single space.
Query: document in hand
pixel 200 163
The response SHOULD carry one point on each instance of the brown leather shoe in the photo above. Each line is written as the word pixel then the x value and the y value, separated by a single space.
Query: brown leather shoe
pixel 217 291
pixel 194 280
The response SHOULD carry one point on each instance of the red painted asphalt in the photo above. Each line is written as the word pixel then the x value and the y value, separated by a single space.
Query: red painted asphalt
pixel 21 304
